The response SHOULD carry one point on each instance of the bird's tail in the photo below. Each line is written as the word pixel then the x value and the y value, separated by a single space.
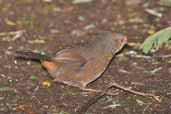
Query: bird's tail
pixel 32 55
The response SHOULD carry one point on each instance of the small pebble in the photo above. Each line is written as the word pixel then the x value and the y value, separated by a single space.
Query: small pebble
pixel 81 18
pixel 90 26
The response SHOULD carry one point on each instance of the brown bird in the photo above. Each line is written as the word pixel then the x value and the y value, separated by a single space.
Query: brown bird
pixel 82 64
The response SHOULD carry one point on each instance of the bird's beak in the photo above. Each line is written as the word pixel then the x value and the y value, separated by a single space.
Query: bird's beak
pixel 125 40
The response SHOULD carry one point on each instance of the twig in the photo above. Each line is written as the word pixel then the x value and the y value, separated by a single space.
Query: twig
pixel 163 56
pixel 116 85
pixel 94 99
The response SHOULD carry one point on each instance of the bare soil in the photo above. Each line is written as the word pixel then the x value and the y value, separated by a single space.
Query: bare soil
pixel 51 25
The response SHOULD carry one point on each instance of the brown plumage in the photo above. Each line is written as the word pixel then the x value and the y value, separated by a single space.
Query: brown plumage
pixel 80 65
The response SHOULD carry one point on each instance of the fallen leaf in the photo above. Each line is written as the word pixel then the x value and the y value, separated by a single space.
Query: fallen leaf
pixel 33 77
pixel 46 83
pixel 155 41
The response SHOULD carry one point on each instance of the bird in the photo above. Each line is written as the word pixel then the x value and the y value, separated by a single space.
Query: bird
pixel 80 65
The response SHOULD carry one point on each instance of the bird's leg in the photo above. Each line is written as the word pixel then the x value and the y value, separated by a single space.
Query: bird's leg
pixel 90 90
pixel 99 91
pixel 84 88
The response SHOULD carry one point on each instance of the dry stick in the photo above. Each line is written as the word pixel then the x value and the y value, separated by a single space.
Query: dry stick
pixel 114 84
pixel 135 46
pixel 94 99
pixel 90 102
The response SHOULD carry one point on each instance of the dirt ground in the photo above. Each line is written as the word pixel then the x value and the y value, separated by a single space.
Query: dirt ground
pixel 51 25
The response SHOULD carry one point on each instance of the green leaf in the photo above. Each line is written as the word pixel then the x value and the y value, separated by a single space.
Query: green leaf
pixel 156 40
pixel 33 77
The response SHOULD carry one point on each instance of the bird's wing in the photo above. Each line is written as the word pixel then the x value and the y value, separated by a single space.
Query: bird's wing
pixel 69 55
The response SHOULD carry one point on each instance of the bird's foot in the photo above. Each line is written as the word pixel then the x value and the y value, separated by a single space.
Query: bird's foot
pixel 99 91
pixel 90 90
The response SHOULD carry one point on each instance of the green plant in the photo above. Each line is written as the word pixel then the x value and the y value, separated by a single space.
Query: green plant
pixel 155 41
